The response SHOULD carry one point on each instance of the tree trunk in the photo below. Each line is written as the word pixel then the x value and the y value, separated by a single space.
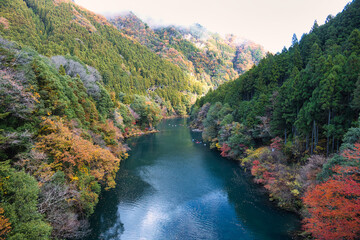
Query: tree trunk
pixel 327 135
pixel 307 142
pixel 317 136
pixel 312 140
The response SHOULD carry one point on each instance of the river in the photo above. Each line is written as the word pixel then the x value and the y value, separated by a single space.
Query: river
pixel 174 188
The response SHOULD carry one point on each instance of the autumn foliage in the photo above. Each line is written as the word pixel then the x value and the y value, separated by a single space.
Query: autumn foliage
pixel 5 225
pixel 276 143
pixel 279 179
pixel 225 150
pixel 334 206
pixel 75 155
pixel 353 154
pixel 4 22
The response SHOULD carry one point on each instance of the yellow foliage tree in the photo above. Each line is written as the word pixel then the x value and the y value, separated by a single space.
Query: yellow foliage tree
pixel 74 154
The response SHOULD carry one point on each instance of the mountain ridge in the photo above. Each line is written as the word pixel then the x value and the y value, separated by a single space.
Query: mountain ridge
pixel 205 55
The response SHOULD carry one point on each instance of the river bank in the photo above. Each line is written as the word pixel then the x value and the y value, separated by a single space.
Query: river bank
pixel 264 173
pixel 170 187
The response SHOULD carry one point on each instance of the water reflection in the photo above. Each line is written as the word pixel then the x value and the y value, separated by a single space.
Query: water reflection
pixel 174 188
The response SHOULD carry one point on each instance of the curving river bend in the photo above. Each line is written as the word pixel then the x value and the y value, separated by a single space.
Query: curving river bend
pixel 173 188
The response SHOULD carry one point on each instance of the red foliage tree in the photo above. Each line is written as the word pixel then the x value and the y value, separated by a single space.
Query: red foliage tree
pixel 256 169
pixel 334 206
pixel 276 143
pixel 225 150
pixel 353 155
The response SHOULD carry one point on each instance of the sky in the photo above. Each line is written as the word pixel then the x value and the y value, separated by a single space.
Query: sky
pixel 270 23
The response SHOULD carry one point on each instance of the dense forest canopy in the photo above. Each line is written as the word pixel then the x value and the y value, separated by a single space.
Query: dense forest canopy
pixel 294 121
pixel 61 139
pixel 312 86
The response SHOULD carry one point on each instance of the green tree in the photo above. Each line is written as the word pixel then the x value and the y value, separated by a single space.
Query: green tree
pixel 19 194
pixel 62 70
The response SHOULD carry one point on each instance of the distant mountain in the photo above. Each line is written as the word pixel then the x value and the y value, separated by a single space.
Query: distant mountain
pixel 207 56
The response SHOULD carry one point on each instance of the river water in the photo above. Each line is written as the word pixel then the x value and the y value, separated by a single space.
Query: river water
pixel 174 188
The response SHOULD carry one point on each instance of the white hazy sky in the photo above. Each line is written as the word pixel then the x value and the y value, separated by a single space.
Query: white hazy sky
pixel 268 22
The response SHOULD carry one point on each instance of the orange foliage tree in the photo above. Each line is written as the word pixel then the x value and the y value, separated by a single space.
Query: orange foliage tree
pixel 334 206
pixel 73 154
pixel 112 137
pixel 5 226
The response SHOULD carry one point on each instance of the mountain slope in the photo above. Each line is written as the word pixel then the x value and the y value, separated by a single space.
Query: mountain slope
pixel 210 58
pixel 61 140
pixel 294 121
pixel 62 27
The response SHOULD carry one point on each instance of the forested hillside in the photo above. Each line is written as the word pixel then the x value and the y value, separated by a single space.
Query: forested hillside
pixel 206 56
pixel 63 28
pixel 293 120
pixel 61 140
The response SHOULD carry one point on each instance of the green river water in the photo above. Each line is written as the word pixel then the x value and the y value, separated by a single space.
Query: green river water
pixel 174 188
